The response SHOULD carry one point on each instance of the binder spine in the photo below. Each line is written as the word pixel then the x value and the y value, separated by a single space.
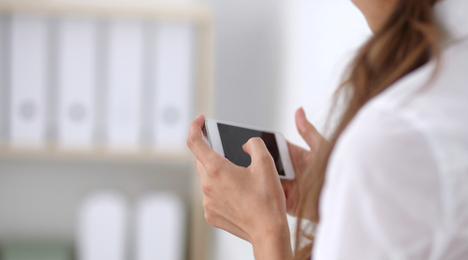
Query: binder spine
pixel 173 84
pixel 77 81
pixel 125 83
pixel 4 93
pixel 29 60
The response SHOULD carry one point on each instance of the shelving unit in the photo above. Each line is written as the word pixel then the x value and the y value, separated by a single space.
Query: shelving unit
pixel 197 13
pixel 52 153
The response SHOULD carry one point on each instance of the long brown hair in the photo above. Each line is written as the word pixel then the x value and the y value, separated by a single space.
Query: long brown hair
pixel 408 40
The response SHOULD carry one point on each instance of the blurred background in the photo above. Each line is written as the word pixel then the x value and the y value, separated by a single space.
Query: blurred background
pixel 95 102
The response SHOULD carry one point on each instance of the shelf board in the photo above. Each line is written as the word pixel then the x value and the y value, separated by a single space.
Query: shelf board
pixel 97 153
pixel 198 12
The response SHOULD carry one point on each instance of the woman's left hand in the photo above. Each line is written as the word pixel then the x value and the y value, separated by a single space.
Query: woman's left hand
pixel 247 202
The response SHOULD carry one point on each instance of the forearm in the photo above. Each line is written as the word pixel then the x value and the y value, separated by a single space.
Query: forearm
pixel 273 243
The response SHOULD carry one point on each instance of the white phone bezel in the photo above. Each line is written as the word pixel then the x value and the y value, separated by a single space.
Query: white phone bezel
pixel 214 139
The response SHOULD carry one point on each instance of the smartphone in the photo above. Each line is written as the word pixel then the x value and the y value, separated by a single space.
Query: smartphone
pixel 227 140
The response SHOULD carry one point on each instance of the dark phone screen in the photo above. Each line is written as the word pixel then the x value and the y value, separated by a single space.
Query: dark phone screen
pixel 233 137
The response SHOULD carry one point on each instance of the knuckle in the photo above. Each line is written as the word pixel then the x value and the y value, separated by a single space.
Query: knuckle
pixel 206 188
pixel 210 215
pixel 304 129
pixel 192 135
pixel 209 206
pixel 190 141
pixel 255 140
pixel 266 158
pixel 213 169
pixel 192 125
pixel 210 218
pixel 205 203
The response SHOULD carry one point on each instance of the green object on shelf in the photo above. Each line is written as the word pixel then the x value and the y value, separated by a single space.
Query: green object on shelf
pixel 36 251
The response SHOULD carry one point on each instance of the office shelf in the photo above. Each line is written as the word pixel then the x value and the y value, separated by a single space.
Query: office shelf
pixel 197 12
pixel 201 16
pixel 98 153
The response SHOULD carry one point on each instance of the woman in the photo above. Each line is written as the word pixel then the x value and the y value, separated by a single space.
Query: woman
pixel 392 181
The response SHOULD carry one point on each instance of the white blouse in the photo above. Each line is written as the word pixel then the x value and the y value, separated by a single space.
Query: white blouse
pixel 397 181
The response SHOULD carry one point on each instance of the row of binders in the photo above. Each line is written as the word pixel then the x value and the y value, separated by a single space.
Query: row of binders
pixel 157 226
pixel 81 81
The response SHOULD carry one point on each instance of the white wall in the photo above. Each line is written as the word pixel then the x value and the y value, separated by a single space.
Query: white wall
pixel 320 39
pixel 247 72
pixel 247 65
pixel 273 57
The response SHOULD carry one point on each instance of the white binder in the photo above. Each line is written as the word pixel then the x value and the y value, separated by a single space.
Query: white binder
pixel 102 220
pixel 174 84
pixel 160 227
pixel 3 91
pixel 28 79
pixel 76 81
pixel 125 66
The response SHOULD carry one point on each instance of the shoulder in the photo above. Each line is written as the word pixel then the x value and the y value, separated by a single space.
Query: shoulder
pixel 381 182
pixel 382 143
pixel 423 114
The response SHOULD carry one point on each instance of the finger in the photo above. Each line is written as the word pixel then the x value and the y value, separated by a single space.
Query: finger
pixel 300 157
pixel 295 151
pixel 306 129
pixel 291 194
pixel 197 145
pixel 200 169
pixel 258 151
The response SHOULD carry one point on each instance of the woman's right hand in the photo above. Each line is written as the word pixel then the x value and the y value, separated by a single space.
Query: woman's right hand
pixel 301 160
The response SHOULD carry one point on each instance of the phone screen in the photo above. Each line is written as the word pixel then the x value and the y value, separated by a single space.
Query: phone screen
pixel 233 137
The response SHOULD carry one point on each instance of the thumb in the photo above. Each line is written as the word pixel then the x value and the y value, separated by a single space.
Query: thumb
pixel 258 151
pixel 308 132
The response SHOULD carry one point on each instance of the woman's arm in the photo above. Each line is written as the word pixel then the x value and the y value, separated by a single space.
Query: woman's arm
pixel 247 202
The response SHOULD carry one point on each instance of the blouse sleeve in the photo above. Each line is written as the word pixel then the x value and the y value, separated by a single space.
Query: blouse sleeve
pixel 381 197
